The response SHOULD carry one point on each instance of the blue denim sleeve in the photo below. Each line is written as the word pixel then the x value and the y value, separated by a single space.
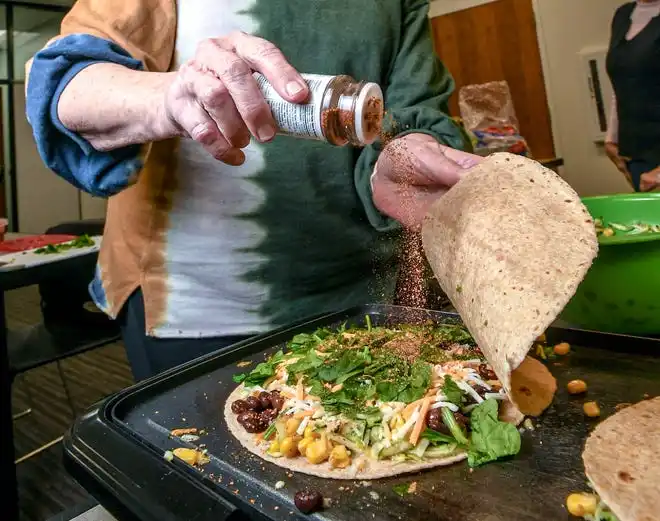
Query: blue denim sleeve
pixel 66 153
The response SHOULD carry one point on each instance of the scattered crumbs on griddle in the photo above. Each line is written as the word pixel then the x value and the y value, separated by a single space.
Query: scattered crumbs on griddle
pixel 279 485
pixel 252 501
pixel 156 412
pixel 374 495
pixel 412 488
pixel 236 491
pixel 327 502
pixel 244 363
pixel 276 507
pixel 365 483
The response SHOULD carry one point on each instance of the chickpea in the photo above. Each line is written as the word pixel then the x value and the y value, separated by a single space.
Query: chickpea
pixel 289 447
pixel 303 444
pixel 562 349
pixel 291 426
pixel 339 457
pixel 317 452
pixel 591 409
pixel 608 232
pixel 580 505
pixel 576 387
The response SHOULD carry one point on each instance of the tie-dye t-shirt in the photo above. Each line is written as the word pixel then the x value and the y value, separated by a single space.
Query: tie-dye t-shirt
pixel 221 250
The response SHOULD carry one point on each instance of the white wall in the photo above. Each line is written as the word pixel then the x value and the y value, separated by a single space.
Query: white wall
pixel 566 27
pixel 440 7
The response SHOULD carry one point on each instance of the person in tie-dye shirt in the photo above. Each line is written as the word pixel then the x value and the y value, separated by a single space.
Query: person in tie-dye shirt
pixel 216 229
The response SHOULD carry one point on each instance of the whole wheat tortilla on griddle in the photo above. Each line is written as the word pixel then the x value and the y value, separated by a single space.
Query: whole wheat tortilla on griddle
pixel 621 461
pixel 509 245
pixel 371 469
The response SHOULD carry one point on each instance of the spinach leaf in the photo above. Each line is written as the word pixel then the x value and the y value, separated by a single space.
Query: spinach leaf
pixel 261 373
pixel 452 391
pixel 387 391
pixel 491 439
pixel 310 361
pixel 420 375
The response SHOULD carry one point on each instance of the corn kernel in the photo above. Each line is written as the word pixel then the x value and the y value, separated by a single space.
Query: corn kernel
pixel 580 505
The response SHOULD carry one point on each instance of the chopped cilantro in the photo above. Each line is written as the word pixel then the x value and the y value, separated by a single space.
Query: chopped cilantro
pixel 401 489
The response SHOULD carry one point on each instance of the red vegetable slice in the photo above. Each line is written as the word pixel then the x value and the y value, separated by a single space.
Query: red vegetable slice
pixel 33 241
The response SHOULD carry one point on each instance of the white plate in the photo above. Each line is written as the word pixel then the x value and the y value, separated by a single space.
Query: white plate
pixel 30 259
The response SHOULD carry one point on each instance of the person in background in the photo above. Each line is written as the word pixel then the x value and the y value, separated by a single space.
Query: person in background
pixel 215 230
pixel 633 65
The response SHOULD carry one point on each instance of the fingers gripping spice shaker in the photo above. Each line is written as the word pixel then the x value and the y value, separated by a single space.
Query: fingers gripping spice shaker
pixel 340 110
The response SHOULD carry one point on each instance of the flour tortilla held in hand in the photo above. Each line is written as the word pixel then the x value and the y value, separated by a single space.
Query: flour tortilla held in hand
pixel 509 245
pixel 621 461
pixel 359 469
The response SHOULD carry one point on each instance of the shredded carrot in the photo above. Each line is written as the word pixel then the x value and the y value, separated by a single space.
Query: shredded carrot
pixel 410 408
pixel 431 392
pixel 336 388
pixel 181 432
pixel 302 414
pixel 421 421
pixel 300 390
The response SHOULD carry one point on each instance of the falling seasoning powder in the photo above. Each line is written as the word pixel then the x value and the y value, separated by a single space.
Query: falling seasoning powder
pixel 339 110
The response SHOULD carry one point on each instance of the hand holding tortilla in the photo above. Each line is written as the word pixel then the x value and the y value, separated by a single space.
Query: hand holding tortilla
pixel 412 172
pixel 509 244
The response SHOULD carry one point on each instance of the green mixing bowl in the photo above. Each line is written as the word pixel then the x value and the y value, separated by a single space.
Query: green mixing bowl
pixel 621 292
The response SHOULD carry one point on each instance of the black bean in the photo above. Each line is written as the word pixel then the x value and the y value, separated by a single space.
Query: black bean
pixel 239 406
pixel 264 400
pixel 308 501
pixel 252 422
pixel 268 416
pixel 486 373
pixel 253 403
pixel 434 421
pixel 247 416
pixel 277 400
pixel 462 420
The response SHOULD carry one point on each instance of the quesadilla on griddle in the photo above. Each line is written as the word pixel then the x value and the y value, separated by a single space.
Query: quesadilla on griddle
pixel 373 402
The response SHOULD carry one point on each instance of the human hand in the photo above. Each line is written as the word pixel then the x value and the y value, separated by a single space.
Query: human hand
pixel 650 180
pixel 612 151
pixel 412 172
pixel 215 100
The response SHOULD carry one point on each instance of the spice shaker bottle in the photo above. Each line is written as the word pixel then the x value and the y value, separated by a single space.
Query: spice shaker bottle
pixel 339 110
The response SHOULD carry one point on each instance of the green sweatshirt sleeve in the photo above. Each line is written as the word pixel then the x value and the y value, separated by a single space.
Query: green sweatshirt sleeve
pixel 416 95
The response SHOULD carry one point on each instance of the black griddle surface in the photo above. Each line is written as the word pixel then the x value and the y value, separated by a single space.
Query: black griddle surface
pixel 531 486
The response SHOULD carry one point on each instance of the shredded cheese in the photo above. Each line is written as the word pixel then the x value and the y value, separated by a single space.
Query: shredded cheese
pixel 441 403
pixel 469 390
